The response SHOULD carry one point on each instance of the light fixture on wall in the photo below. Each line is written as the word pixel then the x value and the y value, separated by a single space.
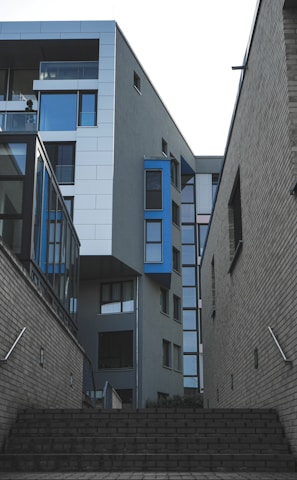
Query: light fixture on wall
pixel 41 357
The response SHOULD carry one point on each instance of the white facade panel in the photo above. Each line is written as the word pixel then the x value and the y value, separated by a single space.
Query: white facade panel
pixel 95 217
pixel 96 247
pixel 104 232
pixel 204 193
pixel 105 143
pixel 105 102
pixel 105 172
pixel 106 116
pixel 85 172
pixel 103 201
pixel 86 232
pixel 85 202
pixel 94 158
pixel 86 144
pixel 94 186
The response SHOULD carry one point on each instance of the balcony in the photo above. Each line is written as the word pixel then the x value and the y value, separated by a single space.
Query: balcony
pixel 68 70
pixel 18 121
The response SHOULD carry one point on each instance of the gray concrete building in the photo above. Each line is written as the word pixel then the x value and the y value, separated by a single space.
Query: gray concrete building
pixel 249 264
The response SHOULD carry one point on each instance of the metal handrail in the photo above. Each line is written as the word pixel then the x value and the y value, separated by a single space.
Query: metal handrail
pixel 3 360
pixel 286 360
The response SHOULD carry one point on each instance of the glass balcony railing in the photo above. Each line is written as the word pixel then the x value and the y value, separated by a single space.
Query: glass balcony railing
pixel 18 121
pixel 68 70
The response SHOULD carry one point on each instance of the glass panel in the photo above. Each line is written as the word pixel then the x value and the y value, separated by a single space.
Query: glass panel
pixel 202 237
pixel 128 297
pixel 11 197
pixel 51 106
pixel 154 190
pixel 187 194
pixel 191 382
pixel 116 349
pixel 68 70
pixel 153 252
pixel 3 79
pixel 87 110
pixel 189 320
pixel 188 213
pixel 188 234
pixel 153 231
pixel 189 297
pixel 37 215
pixel 188 276
pixel 190 365
pixel 11 232
pixel 13 158
pixel 190 342
pixel 188 254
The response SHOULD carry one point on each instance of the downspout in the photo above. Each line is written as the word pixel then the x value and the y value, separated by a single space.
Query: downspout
pixel 137 344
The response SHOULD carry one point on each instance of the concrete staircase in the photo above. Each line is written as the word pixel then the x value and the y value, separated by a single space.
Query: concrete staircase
pixel 148 440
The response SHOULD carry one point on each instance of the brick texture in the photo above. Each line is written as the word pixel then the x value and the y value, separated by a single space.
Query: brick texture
pixel 23 381
pixel 261 290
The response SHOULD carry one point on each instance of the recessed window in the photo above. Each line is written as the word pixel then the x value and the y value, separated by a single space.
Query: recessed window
pixel 177 358
pixel 164 147
pixel 87 116
pixel 235 221
pixel 166 354
pixel 213 286
pixel 153 189
pixel 174 172
pixel 117 297
pixel 176 259
pixel 202 231
pixel 153 241
pixel 62 157
pixel 175 214
pixel 164 304
pixel 116 349
pixel 137 82
pixel 176 308
pixel 69 202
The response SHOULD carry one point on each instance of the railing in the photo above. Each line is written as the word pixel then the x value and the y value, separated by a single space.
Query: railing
pixel 4 360
pixel 111 399
pixel 89 386
pixel 18 121
pixel 286 360
pixel 68 70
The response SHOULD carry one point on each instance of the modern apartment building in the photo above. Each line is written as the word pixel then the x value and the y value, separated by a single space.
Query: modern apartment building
pixel 249 264
pixel 125 172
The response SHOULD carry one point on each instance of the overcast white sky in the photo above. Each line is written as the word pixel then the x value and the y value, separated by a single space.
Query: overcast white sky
pixel 186 47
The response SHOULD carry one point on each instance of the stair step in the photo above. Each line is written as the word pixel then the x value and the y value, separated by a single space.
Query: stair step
pixel 148 462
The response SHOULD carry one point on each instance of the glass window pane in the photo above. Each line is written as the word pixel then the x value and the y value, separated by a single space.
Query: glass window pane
pixel 11 232
pixel 13 158
pixel 189 320
pixel 153 231
pixel 11 197
pixel 188 234
pixel 202 237
pixel 189 297
pixel 188 214
pixel 191 382
pixel 189 276
pixel 188 254
pixel 116 349
pixel 190 341
pixel 154 189
pixel 51 106
pixel 190 365
pixel 87 110
pixel 187 194
pixel 22 84
pixel 153 252
pixel 3 77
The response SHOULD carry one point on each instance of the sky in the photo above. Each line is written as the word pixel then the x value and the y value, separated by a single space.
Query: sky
pixel 186 47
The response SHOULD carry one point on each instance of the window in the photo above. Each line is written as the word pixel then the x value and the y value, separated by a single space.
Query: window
pixel 177 358
pixel 175 214
pixel 153 241
pixel 189 276
pixel 202 230
pixel 188 234
pixel 213 286
pixel 117 297
pixel 62 157
pixel 164 301
pixel 69 202
pixel 137 82
pixel 190 341
pixel 189 320
pixel 21 84
pixel 166 354
pixel 164 147
pixel 87 109
pixel 188 213
pixel 3 77
pixel 189 297
pixel 235 220
pixel 176 308
pixel 176 259
pixel 58 111
pixel 174 172
pixel 116 349
pixel 153 190
pixel 215 182
pixel 188 254
pixel 190 364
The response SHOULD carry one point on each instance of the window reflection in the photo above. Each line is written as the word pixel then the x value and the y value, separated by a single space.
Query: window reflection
pixel 190 341
pixel 51 107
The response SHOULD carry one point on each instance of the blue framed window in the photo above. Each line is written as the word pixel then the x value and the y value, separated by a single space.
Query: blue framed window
pixel 153 243
pixel 153 190
pixel 58 111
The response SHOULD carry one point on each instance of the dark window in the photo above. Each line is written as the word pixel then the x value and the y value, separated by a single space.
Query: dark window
pixel 175 172
pixel 235 217
pixel 87 116
pixel 153 190
pixel 153 241
pixel 69 202
pixel 164 300
pixel 177 358
pixel 137 82
pixel 176 259
pixel 176 308
pixel 164 147
pixel 116 349
pixel 3 84
pixel 175 214
pixel 215 182
pixel 166 354
pixel 117 297
pixel 62 157
pixel 21 84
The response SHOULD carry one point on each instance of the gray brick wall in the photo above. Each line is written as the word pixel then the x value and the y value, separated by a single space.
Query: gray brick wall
pixel 23 382
pixel 261 289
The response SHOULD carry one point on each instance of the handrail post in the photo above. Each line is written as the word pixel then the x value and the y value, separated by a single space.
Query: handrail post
pixel 3 360
pixel 286 360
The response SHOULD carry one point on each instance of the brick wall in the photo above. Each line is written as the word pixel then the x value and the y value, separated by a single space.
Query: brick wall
pixel 261 289
pixel 23 381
